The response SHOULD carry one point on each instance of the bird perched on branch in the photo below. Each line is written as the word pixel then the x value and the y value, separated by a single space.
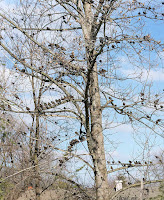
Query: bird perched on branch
pixel 72 55
pixel 57 46
pixel 146 37
pixel 27 108
pixel 51 46
pixel 16 96
pixel 63 49
pixel 102 71
pixel 23 70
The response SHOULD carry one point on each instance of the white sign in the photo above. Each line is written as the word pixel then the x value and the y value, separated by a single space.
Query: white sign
pixel 118 185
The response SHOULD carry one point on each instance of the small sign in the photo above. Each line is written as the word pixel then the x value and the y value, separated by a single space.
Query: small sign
pixel 118 185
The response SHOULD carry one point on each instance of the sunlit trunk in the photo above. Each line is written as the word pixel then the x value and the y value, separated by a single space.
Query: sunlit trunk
pixel 98 152
pixel 37 182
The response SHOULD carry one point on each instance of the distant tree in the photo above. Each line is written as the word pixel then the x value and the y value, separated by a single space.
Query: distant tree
pixel 25 144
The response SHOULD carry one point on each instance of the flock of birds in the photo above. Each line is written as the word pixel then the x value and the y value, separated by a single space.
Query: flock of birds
pixel 135 163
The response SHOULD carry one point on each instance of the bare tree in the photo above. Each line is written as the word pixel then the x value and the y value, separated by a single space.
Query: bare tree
pixel 81 49
pixel 24 145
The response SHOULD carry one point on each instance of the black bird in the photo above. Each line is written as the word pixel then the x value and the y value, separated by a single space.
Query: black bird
pixel 27 108
pixel 72 55
pixel 63 49
pixel 57 46
pixel 9 107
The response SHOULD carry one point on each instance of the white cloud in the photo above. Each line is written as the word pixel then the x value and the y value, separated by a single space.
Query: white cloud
pixel 6 5
pixel 149 75
pixel 118 127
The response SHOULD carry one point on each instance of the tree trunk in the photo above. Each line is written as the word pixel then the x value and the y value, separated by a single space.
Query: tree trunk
pixel 37 181
pixel 36 151
pixel 97 139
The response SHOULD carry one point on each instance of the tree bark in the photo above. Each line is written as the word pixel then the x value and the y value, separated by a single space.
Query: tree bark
pixel 97 139
pixel 37 181
pixel 36 150
pixel 93 110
